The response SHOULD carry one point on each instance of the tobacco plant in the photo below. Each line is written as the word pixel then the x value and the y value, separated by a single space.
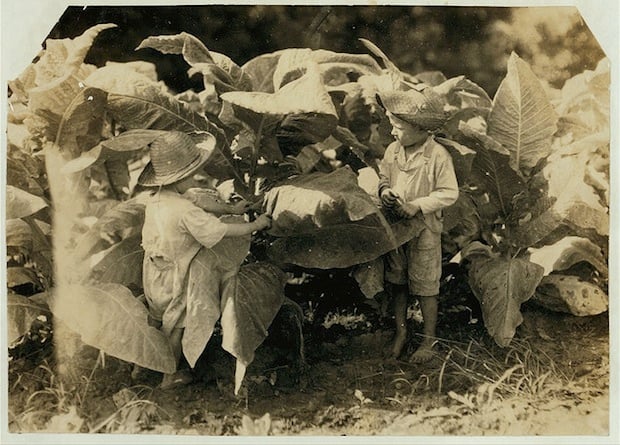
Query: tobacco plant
pixel 299 133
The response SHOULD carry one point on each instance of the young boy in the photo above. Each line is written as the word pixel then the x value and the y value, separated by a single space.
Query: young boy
pixel 417 179
pixel 182 276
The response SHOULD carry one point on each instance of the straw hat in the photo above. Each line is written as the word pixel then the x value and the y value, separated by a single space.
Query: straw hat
pixel 174 156
pixel 423 108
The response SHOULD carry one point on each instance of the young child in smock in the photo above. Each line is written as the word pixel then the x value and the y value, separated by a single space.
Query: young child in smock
pixel 174 232
pixel 417 179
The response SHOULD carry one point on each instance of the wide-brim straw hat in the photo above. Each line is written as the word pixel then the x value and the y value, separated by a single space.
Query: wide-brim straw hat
pixel 176 155
pixel 422 108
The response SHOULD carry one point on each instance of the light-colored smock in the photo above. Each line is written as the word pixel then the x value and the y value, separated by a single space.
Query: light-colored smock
pixel 174 231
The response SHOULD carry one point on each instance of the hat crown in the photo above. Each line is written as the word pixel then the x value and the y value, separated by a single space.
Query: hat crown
pixel 176 155
pixel 172 153
pixel 423 108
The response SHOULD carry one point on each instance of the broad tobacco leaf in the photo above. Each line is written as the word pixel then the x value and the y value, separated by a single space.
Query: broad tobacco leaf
pixel 329 62
pixel 60 70
pixel 312 201
pixel 327 221
pixel 462 93
pixel 576 204
pixel 121 263
pixel 22 276
pixel 125 143
pixel 462 158
pixel 18 234
pixel 21 204
pixel 299 130
pixel 187 45
pixel 25 171
pixel 522 118
pixel 261 69
pixel 309 93
pixel 292 65
pixel 392 69
pixel 121 221
pixel 586 97
pixel 491 170
pixel 577 172
pixel 224 74
pixel 108 317
pixel 21 312
pixel 210 274
pixel 338 245
pixel 501 285
pixel 139 103
pixel 567 293
pixel 216 68
pixel 81 123
pixel 432 78
pixel 333 67
pixel 568 252
pixel 461 223
pixel 250 301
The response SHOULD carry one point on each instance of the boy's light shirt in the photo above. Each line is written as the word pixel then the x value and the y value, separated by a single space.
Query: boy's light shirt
pixel 428 181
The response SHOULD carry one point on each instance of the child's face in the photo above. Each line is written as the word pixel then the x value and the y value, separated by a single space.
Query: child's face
pixel 406 133
pixel 198 180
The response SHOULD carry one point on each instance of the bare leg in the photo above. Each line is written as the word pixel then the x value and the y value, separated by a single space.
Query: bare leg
pixel 180 377
pixel 428 305
pixel 176 336
pixel 400 317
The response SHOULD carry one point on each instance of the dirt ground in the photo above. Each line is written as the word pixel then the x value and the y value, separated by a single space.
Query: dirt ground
pixel 552 380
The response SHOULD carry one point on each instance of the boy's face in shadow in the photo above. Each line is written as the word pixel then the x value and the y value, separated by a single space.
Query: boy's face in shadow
pixel 198 180
pixel 405 132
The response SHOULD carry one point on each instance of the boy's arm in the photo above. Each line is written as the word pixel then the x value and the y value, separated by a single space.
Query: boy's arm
pixel 210 201
pixel 384 169
pixel 446 188
pixel 208 230
pixel 445 194
pixel 239 229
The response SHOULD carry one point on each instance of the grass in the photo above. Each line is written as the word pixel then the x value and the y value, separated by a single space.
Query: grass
pixel 58 407
pixel 475 374
pixel 469 374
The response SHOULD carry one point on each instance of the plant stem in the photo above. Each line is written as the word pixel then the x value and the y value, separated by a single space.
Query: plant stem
pixel 255 152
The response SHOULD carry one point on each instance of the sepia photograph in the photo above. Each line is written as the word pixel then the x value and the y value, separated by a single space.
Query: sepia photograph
pixel 309 223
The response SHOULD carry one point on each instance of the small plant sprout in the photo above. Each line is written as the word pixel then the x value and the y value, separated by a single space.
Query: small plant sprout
pixel 362 399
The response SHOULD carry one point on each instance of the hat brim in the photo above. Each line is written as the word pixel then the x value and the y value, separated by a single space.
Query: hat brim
pixel 397 103
pixel 426 122
pixel 149 178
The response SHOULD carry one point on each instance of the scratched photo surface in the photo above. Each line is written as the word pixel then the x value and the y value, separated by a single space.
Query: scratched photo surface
pixel 309 220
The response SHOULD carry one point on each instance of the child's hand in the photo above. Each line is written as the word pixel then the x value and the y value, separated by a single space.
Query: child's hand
pixel 407 210
pixel 389 198
pixel 262 222
pixel 240 207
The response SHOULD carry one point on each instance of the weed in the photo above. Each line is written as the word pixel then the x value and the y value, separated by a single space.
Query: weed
pixel 520 370
pixel 347 320
pixel 134 413
pixel 51 408
pixel 258 427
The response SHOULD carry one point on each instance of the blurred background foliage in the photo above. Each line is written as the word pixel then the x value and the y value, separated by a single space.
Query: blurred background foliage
pixel 473 41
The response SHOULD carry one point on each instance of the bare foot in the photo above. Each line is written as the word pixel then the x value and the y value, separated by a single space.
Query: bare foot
pixel 423 354
pixel 177 379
